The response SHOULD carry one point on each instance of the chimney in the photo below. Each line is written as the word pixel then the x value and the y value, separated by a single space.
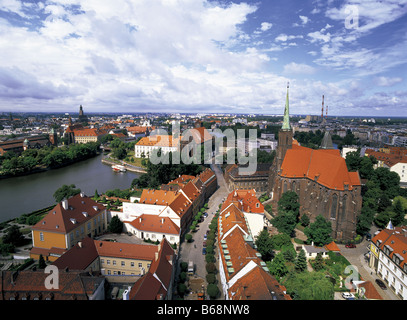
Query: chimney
pixel 82 194
pixel 80 244
pixel 65 204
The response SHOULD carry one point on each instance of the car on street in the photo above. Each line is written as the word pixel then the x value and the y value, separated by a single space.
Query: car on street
pixel 350 245
pixel 205 236
pixel 203 250
pixel 348 296
pixel 381 284
pixel 204 243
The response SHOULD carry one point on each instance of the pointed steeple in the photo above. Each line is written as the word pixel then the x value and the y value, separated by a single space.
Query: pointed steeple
pixel 286 122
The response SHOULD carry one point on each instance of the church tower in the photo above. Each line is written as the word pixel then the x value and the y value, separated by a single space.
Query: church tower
pixel 285 135
pixel 285 142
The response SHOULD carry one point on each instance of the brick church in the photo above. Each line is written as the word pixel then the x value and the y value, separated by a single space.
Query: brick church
pixel 321 180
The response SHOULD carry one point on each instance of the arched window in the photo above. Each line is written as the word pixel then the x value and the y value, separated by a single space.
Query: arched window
pixel 293 187
pixel 285 186
pixel 344 201
pixel 334 206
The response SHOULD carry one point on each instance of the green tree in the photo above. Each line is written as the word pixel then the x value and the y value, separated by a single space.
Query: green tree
pixel 301 262
pixel 277 266
pixel 65 192
pixel 41 262
pixel 212 290
pixel 115 226
pixel 309 286
pixel 289 202
pixel 319 231
pixel 13 236
pixel 265 245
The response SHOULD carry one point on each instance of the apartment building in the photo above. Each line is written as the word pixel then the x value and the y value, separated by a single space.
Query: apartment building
pixel 70 221
pixel 388 256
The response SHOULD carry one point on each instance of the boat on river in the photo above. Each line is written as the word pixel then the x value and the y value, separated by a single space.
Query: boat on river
pixel 119 168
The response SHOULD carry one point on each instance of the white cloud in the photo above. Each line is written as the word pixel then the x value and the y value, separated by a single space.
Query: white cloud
pixel 283 37
pixel 266 26
pixel 298 68
pixel 386 81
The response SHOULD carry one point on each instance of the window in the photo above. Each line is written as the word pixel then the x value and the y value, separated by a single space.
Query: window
pixel 334 206
pixel 114 262
pixel 123 263
pixel 41 236
pixel 140 265
pixel 107 261
pixel 132 264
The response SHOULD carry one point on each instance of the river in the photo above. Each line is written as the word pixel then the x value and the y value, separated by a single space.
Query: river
pixel 25 194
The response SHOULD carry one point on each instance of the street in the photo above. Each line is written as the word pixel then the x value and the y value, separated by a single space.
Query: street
pixel 193 251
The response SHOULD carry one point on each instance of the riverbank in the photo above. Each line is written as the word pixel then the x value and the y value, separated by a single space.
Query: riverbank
pixel 40 169
pixel 128 166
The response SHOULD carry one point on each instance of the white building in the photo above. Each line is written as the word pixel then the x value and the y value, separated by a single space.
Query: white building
pixel 146 145
pixel 388 257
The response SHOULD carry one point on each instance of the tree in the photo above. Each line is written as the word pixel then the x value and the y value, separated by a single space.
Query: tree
pixel 41 262
pixel 13 236
pixel 319 231
pixel 277 266
pixel 116 226
pixel 301 262
pixel 304 220
pixel 65 192
pixel 285 222
pixel 265 245
pixel 309 286
pixel 289 202
pixel 212 290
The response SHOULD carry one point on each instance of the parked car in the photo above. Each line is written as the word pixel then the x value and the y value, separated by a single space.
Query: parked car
pixel 381 284
pixel 204 243
pixel 350 245
pixel 348 296
pixel 205 236
pixel 204 250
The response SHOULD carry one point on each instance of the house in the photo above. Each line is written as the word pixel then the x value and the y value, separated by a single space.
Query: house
pixel 146 145
pixel 157 283
pixel 252 209
pixel 86 135
pixel 388 256
pixel 243 275
pixel 72 285
pixel 117 261
pixel 70 221
pixel 312 251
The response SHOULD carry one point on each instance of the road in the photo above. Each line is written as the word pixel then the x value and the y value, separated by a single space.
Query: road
pixel 193 251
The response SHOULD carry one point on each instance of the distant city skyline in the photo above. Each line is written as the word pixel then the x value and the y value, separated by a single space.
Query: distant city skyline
pixel 202 56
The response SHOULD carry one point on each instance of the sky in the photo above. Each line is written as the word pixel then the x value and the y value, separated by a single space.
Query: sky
pixel 204 56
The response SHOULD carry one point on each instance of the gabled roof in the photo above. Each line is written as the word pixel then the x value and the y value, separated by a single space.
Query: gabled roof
pixel 158 141
pixel 180 204
pixel 161 197
pixel 327 167
pixel 258 284
pixel 395 240
pixel 154 285
pixel 80 210
pixel 155 223
pixel 245 200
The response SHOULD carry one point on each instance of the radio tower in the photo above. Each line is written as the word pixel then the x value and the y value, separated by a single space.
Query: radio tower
pixel 322 112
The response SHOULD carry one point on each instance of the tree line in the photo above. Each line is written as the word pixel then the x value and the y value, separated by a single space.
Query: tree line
pixel 46 157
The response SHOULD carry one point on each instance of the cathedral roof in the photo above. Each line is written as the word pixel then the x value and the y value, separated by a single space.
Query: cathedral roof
pixel 326 166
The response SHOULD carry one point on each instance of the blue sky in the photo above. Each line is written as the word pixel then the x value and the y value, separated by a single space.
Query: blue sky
pixel 204 56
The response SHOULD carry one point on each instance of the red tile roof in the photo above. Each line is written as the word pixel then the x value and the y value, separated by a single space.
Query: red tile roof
pixel 325 166
pixel 80 210
pixel 155 223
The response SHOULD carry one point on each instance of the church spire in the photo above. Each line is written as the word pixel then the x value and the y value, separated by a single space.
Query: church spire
pixel 286 122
